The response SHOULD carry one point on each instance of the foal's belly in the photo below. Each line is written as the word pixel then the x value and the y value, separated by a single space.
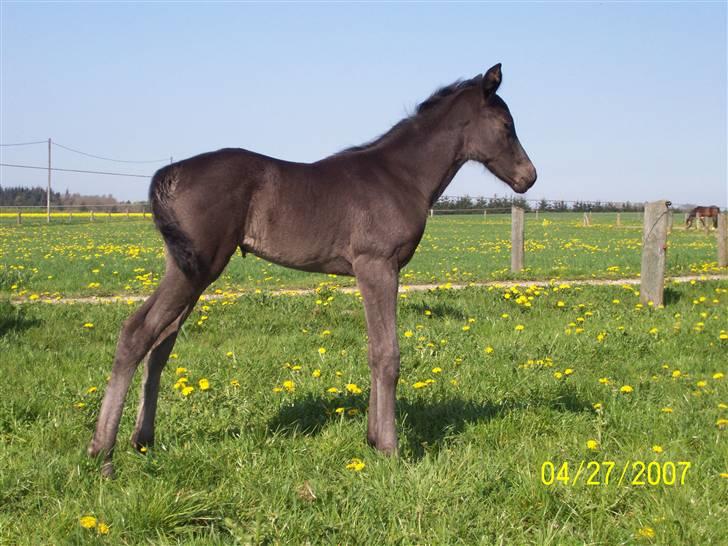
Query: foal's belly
pixel 297 256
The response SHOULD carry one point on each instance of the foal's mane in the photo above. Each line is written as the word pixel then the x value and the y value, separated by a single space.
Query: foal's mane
pixel 424 107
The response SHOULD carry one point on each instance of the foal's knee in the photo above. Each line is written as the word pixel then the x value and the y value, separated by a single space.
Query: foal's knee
pixel 388 366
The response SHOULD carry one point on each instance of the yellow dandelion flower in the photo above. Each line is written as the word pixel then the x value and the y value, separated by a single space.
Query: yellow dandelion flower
pixel 592 444
pixel 626 389
pixel 102 528
pixel 597 406
pixel 87 522
pixel 558 375
pixel 353 388
pixel 604 380
pixel 91 390
pixel 204 384
pixel 289 385
pixel 666 410
pixel 229 354
pixel 340 410
pixel 88 325
pixel 718 375
pixel 519 327
pixel 560 304
pixel 488 349
pixel 186 391
pixel 180 371
pixel 676 373
pixel 234 383
pixel 332 390
pixel 701 384
pixel 721 423
pixel 419 385
pixel 316 373
pixel 437 370
pixel 321 350
pixel 645 532
pixel 356 465
pixel 409 333
pixel 657 448
pixel 568 371
pixel 465 328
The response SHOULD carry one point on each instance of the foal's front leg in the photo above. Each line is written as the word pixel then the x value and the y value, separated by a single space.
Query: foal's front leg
pixel 378 281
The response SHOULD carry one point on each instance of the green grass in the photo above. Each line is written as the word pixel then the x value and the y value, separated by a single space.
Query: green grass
pixel 127 257
pixel 245 464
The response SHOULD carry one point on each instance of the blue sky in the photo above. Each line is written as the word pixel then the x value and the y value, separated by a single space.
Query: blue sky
pixel 613 101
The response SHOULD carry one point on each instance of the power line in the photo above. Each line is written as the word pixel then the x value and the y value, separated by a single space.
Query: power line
pixel 25 143
pixel 108 158
pixel 73 170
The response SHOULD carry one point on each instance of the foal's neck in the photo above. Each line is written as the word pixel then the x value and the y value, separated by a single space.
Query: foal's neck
pixel 428 152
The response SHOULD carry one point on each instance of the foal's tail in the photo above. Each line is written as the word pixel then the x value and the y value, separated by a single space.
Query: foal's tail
pixel 179 245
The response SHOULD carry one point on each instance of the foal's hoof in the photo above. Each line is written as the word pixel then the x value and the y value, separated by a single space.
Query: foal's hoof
pixel 141 444
pixel 107 470
pixel 391 450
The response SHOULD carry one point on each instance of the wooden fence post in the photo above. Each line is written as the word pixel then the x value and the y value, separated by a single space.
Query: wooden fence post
pixel 432 213
pixel 586 219
pixel 517 240
pixel 20 219
pixel 485 214
pixel 92 216
pixel 619 219
pixel 722 235
pixel 654 247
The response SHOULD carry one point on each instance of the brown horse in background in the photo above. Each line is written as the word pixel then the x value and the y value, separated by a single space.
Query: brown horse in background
pixel 701 213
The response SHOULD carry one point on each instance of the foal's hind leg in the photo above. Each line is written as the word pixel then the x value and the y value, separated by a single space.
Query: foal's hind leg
pixel 143 435
pixel 176 293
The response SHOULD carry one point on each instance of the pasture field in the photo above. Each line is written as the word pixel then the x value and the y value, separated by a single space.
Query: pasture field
pixel 121 256
pixel 262 416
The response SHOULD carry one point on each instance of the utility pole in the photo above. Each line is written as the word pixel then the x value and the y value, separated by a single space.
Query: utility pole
pixel 48 192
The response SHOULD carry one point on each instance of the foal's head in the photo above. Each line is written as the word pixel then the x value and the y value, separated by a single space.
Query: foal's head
pixel 491 137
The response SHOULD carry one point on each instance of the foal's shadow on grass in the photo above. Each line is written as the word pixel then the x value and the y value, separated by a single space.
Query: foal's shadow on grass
pixel 13 319
pixel 672 296
pixel 425 426
pixel 438 309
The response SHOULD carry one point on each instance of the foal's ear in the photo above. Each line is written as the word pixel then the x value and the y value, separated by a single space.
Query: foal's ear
pixel 492 80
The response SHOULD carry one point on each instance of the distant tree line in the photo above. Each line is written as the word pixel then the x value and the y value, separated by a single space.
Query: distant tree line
pixel 466 203
pixel 27 197
pixel 36 197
